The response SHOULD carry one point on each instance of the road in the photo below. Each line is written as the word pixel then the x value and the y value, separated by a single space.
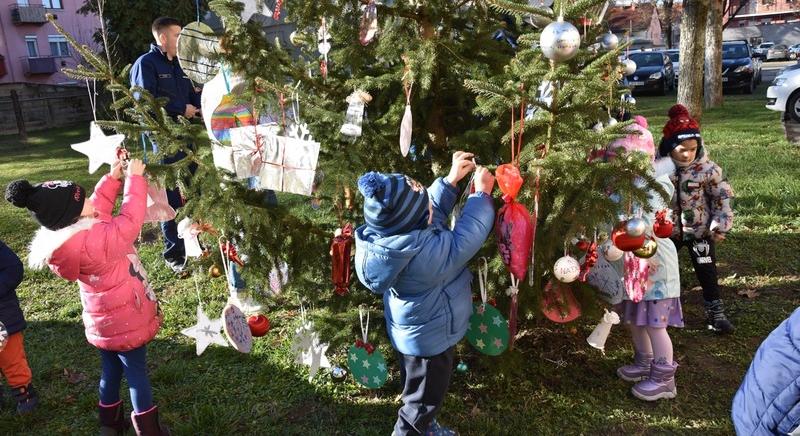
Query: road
pixel 771 69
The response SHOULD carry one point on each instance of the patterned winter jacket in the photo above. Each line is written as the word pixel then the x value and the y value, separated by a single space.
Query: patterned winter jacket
pixel 120 310
pixel 701 202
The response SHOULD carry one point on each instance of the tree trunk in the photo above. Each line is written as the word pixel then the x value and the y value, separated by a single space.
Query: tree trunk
pixel 693 32
pixel 668 22
pixel 713 55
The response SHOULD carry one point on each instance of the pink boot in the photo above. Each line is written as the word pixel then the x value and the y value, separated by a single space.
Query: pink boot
pixel 661 383
pixel 639 370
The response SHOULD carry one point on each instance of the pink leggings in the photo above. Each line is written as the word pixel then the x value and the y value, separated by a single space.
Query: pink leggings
pixel 653 340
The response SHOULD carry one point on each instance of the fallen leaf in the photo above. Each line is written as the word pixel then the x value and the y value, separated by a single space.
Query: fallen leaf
pixel 475 411
pixel 749 293
pixel 74 377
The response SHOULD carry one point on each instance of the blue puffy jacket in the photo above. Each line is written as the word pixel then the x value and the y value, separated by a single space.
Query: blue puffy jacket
pixel 768 401
pixel 164 78
pixel 10 277
pixel 423 274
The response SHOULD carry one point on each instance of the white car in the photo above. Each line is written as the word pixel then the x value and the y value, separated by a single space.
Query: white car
pixel 784 93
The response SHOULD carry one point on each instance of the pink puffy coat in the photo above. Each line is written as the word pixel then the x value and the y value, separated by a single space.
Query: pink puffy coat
pixel 120 311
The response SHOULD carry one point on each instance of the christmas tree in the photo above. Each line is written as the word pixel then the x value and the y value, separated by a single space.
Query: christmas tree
pixel 463 69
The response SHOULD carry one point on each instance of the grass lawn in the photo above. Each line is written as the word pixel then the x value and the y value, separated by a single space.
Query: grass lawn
pixel 553 384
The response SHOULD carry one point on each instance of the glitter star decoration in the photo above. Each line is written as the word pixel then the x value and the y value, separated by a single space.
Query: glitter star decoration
pixel 206 332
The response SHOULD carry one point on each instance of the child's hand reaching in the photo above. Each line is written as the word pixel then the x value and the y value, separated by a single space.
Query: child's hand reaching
pixel 462 165
pixel 135 167
pixel 484 180
pixel 116 170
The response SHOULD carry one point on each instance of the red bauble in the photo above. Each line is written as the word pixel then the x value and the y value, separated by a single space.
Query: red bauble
pixel 662 228
pixel 583 245
pixel 624 241
pixel 259 325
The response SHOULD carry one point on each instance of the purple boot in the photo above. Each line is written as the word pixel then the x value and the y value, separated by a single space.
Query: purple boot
pixel 639 370
pixel 661 383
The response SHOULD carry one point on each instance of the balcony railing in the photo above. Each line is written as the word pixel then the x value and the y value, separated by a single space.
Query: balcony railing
pixel 28 14
pixel 40 65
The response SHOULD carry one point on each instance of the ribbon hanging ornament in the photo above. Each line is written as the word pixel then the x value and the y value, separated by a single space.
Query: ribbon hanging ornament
pixel 323 47
pixel 487 330
pixel 369 23
pixel 341 247
pixel 366 362
pixel 407 124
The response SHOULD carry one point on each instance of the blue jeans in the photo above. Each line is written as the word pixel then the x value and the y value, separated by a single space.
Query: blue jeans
pixel 174 250
pixel 134 365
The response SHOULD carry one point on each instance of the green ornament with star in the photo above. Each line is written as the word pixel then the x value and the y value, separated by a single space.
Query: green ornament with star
pixel 488 330
pixel 368 369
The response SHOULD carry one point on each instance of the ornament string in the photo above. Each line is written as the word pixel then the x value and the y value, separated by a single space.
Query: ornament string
pixel 92 97
pixel 483 274
pixel 197 290
pixel 364 325
pixel 513 292
pixel 223 242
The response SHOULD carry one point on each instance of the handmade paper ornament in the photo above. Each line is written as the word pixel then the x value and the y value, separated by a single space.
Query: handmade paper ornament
pixel 197 48
pixel 406 126
pixel 487 330
pixel 158 208
pixel 3 336
pixel 647 250
pixel 323 46
pixel 341 248
pixel 188 232
pixel 558 302
pixel 623 240
pixel 600 333
pixel 366 362
pixel 205 332
pixel 635 276
pixel 628 67
pixel 259 325
pixel 560 41
pixel 513 223
pixel 236 329
pixel 100 149
pixel 278 278
pixel 369 23
pixel 607 280
pixel 635 227
pixel 354 118
pixel 307 348
pixel 609 41
pixel 567 269
pixel 663 226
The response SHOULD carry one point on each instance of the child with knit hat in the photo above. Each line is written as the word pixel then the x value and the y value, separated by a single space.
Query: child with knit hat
pixel 13 362
pixel 407 253
pixel 701 207
pixel 81 241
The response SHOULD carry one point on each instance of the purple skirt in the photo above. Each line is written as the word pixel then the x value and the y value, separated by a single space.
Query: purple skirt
pixel 652 313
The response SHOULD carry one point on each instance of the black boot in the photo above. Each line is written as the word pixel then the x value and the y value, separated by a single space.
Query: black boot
pixel 716 319
pixel 26 398
pixel 148 424
pixel 112 420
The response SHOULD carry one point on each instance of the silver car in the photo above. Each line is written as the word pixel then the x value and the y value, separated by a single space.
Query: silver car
pixel 778 52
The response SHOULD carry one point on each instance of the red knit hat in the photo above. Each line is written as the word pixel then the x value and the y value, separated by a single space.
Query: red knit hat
pixel 680 127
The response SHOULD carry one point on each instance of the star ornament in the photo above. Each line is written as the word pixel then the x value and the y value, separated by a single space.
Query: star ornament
pixel 315 357
pixel 206 332
pixel 100 149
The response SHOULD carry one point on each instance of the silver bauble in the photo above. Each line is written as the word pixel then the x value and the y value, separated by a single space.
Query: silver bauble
pixel 628 67
pixel 611 122
pixel 635 227
pixel 609 41
pixel 629 99
pixel 560 41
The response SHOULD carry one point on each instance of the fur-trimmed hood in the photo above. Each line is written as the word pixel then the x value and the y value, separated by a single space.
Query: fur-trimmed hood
pixel 46 242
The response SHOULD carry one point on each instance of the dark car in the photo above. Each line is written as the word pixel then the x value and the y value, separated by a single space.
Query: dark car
pixel 739 69
pixel 653 72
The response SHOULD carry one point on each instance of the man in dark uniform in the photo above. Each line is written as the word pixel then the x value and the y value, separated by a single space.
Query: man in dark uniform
pixel 159 73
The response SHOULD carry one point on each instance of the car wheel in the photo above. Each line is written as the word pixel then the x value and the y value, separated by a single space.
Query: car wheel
pixel 751 86
pixel 664 87
pixel 793 106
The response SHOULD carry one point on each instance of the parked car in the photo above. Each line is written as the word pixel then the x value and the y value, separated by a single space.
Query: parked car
pixel 778 52
pixel 794 50
pixel 738 67
pixel 674 55
pixel 784 94
pixel 653 72
pixel 761 50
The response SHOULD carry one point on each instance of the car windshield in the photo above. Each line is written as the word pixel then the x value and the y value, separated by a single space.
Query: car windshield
pixel 647 59
pixel 673 56
pixel 766 45
pixel 734 51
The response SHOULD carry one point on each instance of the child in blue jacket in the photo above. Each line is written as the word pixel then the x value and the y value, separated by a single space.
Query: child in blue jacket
pixel 407 252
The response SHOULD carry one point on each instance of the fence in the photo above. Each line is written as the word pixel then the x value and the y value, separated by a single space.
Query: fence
pixel 21 113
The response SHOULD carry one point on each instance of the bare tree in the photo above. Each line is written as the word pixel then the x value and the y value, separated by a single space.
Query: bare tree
pixel 713 55
pixel 692 49
pixel 668 22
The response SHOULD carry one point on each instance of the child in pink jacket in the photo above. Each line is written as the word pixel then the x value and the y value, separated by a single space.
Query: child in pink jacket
pixel 81 241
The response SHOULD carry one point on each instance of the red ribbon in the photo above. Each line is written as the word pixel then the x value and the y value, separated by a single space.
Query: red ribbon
pixel 369 348
pixel 589 261
pixel 230 251
pixel 276 15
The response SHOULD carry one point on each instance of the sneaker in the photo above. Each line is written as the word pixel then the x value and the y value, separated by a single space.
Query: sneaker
pixel 434 429
pixel 639 370
pixel 26 397
pixel 660 384
pixel 716 320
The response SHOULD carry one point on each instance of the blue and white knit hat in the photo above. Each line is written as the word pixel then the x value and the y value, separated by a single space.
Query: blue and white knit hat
pixel 393 203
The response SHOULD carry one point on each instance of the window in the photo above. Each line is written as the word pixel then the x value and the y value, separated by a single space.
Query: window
pixel 22 2
pixel 58 46
pixel 33 46
pixel 52 4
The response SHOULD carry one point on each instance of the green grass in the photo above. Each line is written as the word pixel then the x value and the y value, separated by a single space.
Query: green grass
pixel 552 384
